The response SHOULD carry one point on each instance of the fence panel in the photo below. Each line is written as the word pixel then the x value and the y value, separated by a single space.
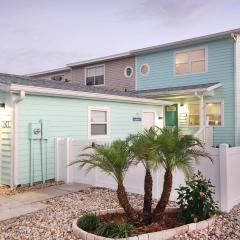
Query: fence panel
pixel 223 172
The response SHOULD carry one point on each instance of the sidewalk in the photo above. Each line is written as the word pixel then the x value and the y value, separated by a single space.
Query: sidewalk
pixel 28 202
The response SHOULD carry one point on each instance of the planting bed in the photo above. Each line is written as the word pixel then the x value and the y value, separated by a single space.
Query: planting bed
pixel 170 226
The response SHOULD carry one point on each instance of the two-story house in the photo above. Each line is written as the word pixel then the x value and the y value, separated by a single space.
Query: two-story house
pixel 201 75
pixel 113 72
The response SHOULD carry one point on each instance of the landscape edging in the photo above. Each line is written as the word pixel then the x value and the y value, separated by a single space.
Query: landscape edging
pixel 163 235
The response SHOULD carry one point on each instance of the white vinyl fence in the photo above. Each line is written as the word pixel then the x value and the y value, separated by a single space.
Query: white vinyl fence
pixel 224 172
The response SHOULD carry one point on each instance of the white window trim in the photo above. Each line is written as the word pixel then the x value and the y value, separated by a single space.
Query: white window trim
pixel 205 102
pixel 148 69
pixel 94 66
pixel 98 108
pixel 125 72
pixel 186 51
pixel 149 111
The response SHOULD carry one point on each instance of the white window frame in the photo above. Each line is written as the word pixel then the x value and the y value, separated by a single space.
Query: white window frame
pixel 148 69
pixel 94 66
pixel 205 115
pixel 125 72
pixel 189 60
pixel 188 115
pixel 98 108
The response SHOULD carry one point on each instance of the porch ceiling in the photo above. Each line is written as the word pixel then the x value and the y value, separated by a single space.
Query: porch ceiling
pixel 180 91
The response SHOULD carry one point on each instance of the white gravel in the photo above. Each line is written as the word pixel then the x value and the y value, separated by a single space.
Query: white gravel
pixel 55 221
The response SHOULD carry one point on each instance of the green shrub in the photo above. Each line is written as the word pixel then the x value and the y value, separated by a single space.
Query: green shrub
pixel 88 222
pixel 196 199
pixel 113 230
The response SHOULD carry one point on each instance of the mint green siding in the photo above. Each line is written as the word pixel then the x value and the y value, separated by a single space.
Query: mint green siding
pixel 220 69
pixel 66 117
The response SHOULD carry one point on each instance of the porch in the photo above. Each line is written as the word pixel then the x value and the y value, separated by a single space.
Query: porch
pixel 196 110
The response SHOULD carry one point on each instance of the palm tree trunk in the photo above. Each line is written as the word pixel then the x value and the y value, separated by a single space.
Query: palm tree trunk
pixel 162 204
pixel 124 202
pixel 147 205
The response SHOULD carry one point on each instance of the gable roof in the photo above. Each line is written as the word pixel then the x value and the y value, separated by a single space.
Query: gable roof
pixel 187 89
pixel 15 83
pixel 166 46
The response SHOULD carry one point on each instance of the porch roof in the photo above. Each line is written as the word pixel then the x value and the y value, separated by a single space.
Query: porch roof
pixel 179 90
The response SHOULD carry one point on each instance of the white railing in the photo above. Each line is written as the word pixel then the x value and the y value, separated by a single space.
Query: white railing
pixel 205 134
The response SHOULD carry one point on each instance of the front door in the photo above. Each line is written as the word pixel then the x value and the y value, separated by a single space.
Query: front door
pixel 148 119
pixel 171 116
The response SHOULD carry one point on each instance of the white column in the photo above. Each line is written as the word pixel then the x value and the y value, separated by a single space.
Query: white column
pixel 201 111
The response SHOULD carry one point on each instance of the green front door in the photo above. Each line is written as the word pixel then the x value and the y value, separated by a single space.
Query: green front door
pixel 171 115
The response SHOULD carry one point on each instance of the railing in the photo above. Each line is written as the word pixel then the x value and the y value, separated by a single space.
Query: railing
pixel 205 134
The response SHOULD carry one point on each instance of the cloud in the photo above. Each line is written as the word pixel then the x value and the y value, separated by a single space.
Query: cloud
pixel 167 12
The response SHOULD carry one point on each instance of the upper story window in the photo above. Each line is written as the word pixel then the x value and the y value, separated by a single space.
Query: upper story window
pixel 95 76
pixel 191 61
pixel 128 72
pixel 145 69
pixel 99 122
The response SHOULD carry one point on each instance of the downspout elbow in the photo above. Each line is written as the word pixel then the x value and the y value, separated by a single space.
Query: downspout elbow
pixel 20 97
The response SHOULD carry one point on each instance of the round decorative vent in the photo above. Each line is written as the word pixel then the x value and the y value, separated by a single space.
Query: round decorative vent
pixel 145 69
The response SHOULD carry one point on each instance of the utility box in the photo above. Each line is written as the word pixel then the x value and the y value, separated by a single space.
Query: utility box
pixel 35 131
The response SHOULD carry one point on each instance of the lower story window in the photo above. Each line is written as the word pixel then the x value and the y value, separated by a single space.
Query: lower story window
pixel 213 114
pixel 99 122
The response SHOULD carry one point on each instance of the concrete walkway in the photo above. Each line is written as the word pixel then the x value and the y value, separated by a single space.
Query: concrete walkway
pixel 28 202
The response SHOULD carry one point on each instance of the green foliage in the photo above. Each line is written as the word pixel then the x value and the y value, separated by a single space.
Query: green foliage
pixel 196 199
pixel 113 230
pixel 88 222
pixel 178 151
pixel 112 159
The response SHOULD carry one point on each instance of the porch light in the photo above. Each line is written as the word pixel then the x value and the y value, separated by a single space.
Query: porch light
pixel 2 105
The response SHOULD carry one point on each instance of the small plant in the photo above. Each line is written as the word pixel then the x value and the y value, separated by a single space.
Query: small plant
pixel 113 230
pixel 88 222
pixel 196 199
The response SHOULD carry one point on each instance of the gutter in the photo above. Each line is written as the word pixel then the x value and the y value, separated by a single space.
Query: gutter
pixel 17 100
pixel 236 89
pixel 85 95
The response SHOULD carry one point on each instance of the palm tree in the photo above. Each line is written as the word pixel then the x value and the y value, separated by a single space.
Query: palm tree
pixel 175 151
pixel 114 160
pixel 140 145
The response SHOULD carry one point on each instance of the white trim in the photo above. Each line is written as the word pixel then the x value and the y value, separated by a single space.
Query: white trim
pixel 149 111
pixel 63 69
pixel 184 92
pixel 146 74
pixel 85 95
pixel 189 50
pixel 125 71
pixel 95 66
pixel 98 108
pixel 236 40
pixel 101 59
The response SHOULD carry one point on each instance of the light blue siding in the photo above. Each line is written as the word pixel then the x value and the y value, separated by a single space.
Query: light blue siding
pixel 220 69
pixel 67 117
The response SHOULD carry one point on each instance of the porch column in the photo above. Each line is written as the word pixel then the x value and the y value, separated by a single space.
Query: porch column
pixel 201 111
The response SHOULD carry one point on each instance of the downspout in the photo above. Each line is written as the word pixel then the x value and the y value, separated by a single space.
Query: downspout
pixel 17 100
pixel 236 87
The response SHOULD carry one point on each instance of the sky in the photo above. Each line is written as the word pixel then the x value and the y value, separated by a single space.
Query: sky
pixel 38 35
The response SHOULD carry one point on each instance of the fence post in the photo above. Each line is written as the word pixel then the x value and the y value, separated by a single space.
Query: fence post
pixel 67 158
pixel 224 195
pixel 56 145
